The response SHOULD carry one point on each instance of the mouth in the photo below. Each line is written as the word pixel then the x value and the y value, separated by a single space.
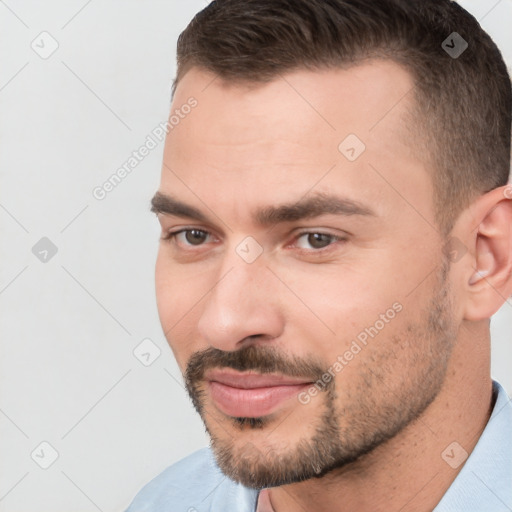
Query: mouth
pixel 250 394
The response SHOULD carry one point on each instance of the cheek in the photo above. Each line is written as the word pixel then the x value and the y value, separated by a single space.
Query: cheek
pixel 178 293
pixel 164 288
pixel 173 296
pixel 343 299
pixel 175 287
pixel 347 311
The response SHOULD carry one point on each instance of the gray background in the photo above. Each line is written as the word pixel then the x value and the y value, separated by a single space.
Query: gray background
pixel 70 324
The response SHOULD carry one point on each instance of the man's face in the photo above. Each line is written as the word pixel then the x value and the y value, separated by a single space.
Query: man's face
pixel 307 304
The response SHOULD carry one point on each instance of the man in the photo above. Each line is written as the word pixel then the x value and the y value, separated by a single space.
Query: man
pixel 336 234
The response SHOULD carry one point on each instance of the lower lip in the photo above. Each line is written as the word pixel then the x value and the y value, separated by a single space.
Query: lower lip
pixel 251 403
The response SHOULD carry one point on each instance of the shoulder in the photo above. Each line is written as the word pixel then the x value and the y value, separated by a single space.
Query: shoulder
pixel 192 484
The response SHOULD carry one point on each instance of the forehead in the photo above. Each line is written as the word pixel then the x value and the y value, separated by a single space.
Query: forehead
pixel 285 137
pixel 358 98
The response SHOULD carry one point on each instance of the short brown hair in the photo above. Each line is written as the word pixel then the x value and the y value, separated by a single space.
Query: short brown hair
pixel 463 104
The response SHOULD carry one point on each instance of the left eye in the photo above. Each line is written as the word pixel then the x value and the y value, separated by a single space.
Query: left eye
pixel 315 240
pixel 190 236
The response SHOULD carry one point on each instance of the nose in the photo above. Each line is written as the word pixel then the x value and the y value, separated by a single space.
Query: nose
pixel 243 305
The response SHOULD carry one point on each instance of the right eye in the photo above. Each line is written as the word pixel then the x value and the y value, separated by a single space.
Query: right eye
pixel 188 237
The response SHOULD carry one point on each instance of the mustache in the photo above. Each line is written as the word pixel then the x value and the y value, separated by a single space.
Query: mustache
pixel 262 359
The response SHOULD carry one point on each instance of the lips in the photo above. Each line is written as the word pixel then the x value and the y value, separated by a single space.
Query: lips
pixel 249 394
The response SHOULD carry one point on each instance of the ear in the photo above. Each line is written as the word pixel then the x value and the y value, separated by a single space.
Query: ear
pixel 489 281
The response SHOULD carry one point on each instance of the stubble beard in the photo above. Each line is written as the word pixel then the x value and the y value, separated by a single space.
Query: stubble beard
pixel 372 411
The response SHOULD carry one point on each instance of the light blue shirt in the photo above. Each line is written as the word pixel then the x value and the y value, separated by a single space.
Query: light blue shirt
pixel 484 484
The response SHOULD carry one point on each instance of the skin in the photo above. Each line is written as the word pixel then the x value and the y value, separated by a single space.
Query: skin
pixel 423 382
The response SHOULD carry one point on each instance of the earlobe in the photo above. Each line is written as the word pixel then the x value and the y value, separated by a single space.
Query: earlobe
pixel 490 284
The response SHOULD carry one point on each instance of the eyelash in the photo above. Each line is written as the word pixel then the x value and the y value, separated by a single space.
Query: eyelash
pixel 171 237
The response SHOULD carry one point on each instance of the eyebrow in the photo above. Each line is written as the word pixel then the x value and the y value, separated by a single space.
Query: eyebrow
pixel 306 208
pixel 163 203
pixel 314 206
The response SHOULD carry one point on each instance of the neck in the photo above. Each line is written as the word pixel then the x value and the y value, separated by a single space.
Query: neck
pixel 412 471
